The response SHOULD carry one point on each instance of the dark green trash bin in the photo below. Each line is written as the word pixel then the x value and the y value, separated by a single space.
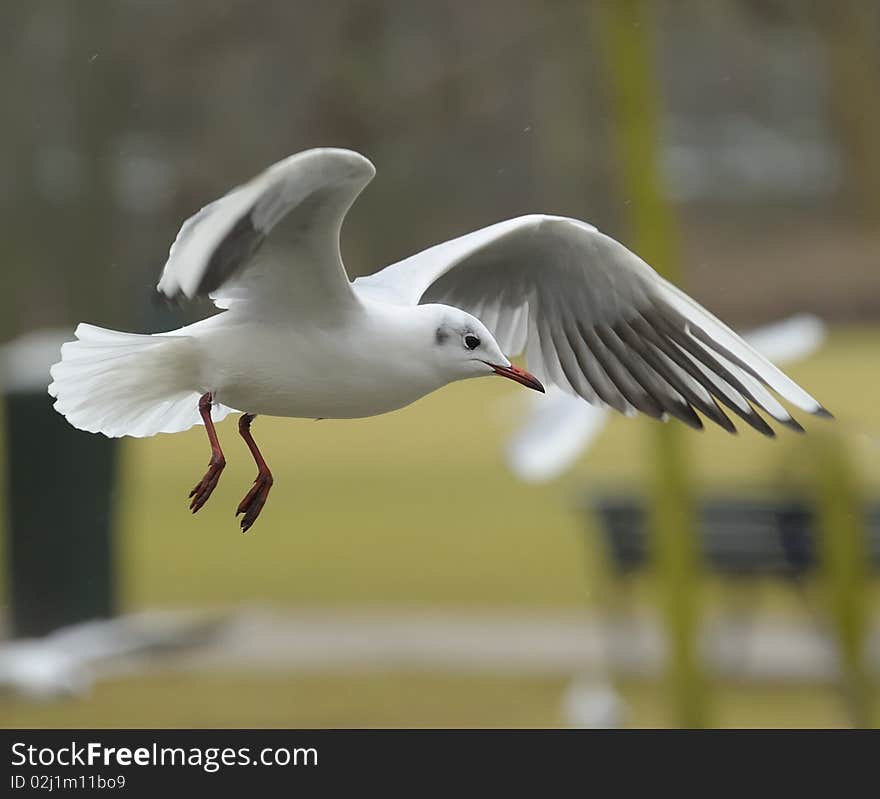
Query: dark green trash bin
pixel 60 496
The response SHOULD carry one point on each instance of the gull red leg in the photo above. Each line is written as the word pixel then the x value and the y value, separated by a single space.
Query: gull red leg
pixel 254 500
pixel 217 463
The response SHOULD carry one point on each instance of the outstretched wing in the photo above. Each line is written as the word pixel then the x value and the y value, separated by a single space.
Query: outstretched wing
pixel 214 252
pixel 560 427
pixel 596 320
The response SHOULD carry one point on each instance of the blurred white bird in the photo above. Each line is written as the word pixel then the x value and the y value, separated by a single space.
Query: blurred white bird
pixel 66 662
pixel 560 427
pixel 592 703
pixel 297 338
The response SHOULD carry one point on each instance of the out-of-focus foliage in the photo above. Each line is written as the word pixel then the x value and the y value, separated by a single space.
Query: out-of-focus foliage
pixel 123 116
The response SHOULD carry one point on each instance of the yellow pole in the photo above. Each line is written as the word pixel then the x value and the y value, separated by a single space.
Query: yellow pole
pixel 627 49
pixel 843 550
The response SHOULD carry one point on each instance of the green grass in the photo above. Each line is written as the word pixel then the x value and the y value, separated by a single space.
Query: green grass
pixel 396 699
pixel 415 508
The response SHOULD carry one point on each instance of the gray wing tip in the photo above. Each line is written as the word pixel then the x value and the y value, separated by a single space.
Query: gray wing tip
pixel 159 298
pixel 823 413
pixel 793 424
pixel 757 422
pixel 723 421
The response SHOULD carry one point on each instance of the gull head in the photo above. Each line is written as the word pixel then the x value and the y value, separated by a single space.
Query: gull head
pixel 461 347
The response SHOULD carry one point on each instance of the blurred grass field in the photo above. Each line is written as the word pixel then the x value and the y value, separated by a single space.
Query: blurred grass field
pixel 416 509
pixel 396 699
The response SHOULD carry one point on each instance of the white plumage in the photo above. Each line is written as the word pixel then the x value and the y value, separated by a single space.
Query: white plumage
pixel 298 338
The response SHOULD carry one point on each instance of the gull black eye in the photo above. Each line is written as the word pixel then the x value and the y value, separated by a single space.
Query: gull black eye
pixel 471 342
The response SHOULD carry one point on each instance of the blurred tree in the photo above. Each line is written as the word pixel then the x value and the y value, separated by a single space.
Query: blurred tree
pixel 63 140
pixel 625 37
pixel 843 550
pixel 850 33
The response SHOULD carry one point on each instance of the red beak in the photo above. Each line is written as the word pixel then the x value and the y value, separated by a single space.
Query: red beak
pixel 518 375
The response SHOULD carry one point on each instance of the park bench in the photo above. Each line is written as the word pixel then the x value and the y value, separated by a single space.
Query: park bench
pixel 738 536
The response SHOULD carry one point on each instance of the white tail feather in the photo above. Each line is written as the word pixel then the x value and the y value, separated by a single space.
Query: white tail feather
pixel 124 384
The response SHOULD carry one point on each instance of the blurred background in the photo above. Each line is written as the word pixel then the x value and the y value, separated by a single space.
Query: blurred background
pixel 401 574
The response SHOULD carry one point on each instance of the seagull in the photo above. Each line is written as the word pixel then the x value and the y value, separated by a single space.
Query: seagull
pixel 67 662
pixel 592 703
pixel 295 337
pixel 560 426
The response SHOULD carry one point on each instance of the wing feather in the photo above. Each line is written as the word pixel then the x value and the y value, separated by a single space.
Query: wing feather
pixel 711 383
pixel 593 371
pixel 600 322
pixel 215 252
pixel 666 370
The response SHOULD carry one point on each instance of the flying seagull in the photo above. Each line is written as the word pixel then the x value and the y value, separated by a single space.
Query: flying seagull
pixel 68 661
pixel 297 338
